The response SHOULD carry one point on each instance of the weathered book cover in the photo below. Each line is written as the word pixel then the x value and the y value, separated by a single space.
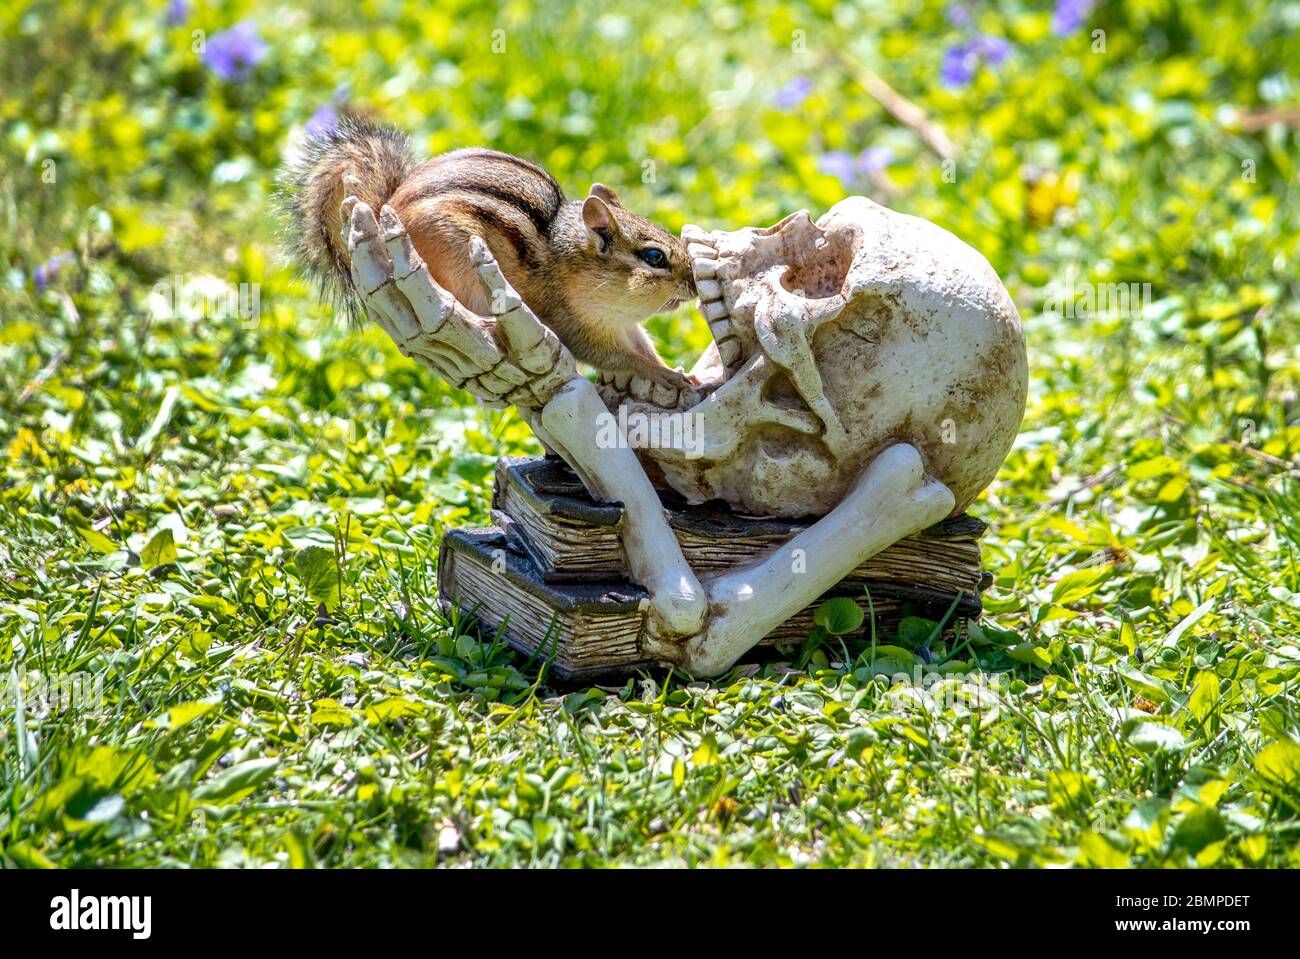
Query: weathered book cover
pixel 595 628
pixel 547 514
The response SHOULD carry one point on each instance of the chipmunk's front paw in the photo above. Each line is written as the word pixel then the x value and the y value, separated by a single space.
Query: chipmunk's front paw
pixel 673 379
pixel 659 385
pixel 675 390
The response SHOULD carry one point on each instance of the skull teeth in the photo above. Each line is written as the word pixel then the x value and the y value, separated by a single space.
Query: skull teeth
pixel 704 268
pixel 729 350
pixel 709 289
pixel 664 396
pixel 705 263
pixel 714 310
pixel 694 234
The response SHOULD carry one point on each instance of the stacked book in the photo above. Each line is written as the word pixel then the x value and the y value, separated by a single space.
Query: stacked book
pixel 550 571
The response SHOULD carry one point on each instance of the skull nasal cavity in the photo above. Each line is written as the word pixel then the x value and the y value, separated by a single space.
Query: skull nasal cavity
pixel 818 274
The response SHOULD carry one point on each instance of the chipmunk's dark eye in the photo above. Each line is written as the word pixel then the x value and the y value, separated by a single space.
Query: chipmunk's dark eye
pixel 653 257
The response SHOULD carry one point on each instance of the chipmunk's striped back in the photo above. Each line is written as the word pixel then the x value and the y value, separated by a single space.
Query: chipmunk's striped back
pixel 503 194
pixel 512 204
pixel 589 269
pixel 509 202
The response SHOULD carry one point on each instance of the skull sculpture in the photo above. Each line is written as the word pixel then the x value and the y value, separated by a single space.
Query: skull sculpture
pixel 869 369
pixel 832 341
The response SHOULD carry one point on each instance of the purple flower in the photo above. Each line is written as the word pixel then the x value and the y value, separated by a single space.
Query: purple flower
pixel 992 50
pixel 793 93
pixel 961 60
pixel 958 67
pixel 1069 16
pixel 232 54
pixel 178 11
pixel 851 170
pixel 838 163
pixel 48 271
pixel 323 121
pixel 874 159
pixel 958 14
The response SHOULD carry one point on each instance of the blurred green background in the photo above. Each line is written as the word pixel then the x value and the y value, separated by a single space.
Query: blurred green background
pixel 166 463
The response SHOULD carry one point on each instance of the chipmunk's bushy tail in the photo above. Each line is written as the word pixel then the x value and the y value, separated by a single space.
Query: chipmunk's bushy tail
pixel 311 193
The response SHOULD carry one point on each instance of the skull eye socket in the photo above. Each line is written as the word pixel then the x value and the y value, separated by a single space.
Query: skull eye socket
pixel 825 273
pixel 653 257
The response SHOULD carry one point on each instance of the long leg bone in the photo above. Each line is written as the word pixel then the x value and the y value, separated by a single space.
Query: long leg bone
pixel 893 499
pixel 568 424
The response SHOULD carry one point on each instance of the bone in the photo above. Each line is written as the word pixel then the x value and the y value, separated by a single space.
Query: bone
pixel 704 269
pixel 709 289
pixel 501 294
pixel 664 396
pixel 721 328
pixel 641 389
pixel 701 251
pixel 893 498
pixel 430 302
pixel 503 378
pixel 715 310
pixel 801 421
pixel 678 605
pixel 730 351
pixel 525 398
pixel 390 227
pixel 345 219
pixel 429 325
pixel 372 276
pixel 694 234
pixel 904 323
pixel 534 347
pixel 467 346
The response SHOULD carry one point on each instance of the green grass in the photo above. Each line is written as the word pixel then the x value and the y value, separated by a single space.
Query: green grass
pixel 165 477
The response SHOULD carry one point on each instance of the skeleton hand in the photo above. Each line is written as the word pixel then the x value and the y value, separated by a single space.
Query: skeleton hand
pixel 508 357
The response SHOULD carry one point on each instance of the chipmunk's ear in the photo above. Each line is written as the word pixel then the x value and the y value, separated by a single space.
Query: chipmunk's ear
pixel 606 194
pixel 601 227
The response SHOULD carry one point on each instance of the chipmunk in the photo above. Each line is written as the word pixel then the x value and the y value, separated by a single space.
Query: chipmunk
pixel 589 269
